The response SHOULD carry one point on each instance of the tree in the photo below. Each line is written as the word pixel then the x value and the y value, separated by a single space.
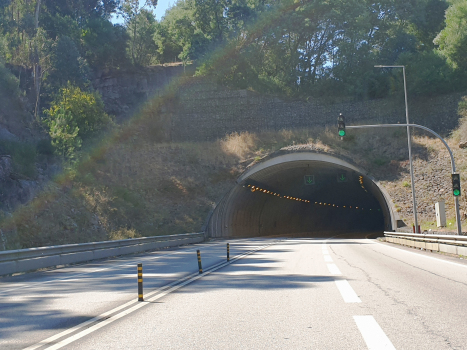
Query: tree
pixel 177 35
pixel 452 40
pixel 104 45
pixel 137 16
pixel 141 32
pixel 67 65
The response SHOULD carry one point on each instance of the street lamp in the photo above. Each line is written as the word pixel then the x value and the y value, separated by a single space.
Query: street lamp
pixel 409 142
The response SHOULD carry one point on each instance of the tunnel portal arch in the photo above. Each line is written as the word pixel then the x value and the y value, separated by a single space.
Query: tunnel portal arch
pixel 309 193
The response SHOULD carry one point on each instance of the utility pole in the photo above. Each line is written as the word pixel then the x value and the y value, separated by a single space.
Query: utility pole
pixel 409 142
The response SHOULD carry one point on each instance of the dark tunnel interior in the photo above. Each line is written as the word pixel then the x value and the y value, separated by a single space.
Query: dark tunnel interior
pixel 305 198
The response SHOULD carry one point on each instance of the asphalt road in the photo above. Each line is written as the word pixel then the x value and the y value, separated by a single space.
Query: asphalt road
pixel 274 294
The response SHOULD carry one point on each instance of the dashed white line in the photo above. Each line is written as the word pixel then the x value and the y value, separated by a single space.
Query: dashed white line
pixel 333 269
pixel 327 258
pixel 374 336
pixel 347 292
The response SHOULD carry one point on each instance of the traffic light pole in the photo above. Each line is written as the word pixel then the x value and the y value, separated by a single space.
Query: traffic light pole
pixel 453 165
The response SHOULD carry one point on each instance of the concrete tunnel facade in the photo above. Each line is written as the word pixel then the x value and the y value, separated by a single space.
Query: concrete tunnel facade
pixel 302 193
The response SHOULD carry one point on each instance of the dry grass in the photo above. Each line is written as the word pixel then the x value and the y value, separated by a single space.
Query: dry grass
pixel 239 145
pixel 141 188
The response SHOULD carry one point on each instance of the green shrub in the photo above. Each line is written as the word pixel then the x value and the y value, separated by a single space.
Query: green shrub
pixel 74 116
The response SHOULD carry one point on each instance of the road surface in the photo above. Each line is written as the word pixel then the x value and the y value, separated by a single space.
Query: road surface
pixel 275 293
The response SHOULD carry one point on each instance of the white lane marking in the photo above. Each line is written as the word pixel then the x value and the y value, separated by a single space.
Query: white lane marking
pixel 333 269
pixel 327 258
pixel 422 255
pixel 72 277
pixel 347 292
pixel 126 264
pixel 105 318
pixel 372 333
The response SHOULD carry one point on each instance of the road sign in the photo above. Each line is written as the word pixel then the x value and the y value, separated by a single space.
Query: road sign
pixel 309 179
pixel 342 176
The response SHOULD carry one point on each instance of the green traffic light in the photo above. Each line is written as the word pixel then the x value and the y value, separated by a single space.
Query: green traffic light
pixel 456 192
pixel 341 132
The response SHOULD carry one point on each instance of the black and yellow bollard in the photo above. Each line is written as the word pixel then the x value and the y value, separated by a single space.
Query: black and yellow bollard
pixel 140 282
pixel 199 262
pixel 228 252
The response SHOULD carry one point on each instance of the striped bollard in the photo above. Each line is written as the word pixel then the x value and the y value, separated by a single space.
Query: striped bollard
pixel 140 282
pixel 199 262
pixel 228 252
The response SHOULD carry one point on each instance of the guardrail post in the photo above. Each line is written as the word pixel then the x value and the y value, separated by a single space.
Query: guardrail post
pixel 199 262
pixel 140 282
pixel 228 252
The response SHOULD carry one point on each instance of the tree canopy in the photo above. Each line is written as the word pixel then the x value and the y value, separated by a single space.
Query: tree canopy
pixel 293 47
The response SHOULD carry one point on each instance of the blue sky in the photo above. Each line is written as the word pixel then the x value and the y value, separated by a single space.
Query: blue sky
pixel 162 6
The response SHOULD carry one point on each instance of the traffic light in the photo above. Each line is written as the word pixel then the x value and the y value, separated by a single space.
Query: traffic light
pixel 456 184
pixel 341 125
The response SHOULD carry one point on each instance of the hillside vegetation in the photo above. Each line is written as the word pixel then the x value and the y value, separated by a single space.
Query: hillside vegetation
pixel 141 188
pixel 117 181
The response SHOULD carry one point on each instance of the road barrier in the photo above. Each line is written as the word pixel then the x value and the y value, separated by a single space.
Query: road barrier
pixel 22 260
pixel 140 282
pixel 452 244
pixel 199 261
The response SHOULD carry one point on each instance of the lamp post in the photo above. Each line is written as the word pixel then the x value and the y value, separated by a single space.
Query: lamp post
pixel 409 142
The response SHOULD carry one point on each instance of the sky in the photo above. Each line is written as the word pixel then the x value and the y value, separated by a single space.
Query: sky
pixel 163 5
pixel 159 12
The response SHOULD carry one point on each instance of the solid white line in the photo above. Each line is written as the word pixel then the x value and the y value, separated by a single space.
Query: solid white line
pixel 372 333
pixel 333 269
pixel 347 292
pixel 159 294
pixel 66 279
pixel 327 258
pixel 422 255
pixel 126 264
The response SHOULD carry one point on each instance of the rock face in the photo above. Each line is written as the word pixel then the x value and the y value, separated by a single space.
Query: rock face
pixel 6 135
pixel 14 192
pixel 5 168
pixel 124 91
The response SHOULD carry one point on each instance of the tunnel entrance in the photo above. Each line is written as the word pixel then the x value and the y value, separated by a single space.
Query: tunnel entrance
pixel 306 194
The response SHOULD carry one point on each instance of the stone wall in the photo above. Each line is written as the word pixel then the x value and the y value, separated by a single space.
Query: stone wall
pixel 206 111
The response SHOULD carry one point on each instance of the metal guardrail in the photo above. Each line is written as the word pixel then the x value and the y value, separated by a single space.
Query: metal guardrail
pixel 14 261
pixel 452 244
